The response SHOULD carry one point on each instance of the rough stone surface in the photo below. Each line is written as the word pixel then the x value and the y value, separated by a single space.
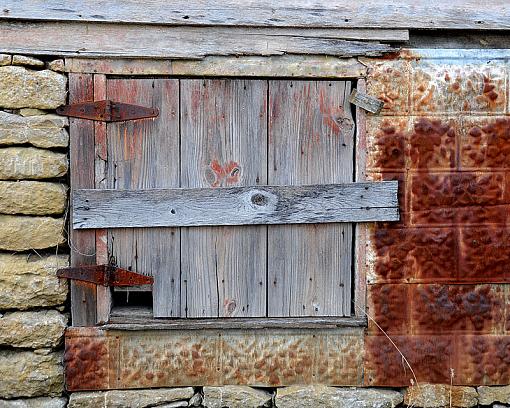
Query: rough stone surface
pixel 57 65
pixel 21 233
pixel 332 397
pixel 30 374
pixel 175 404
pixel 24 88
pixel 32 112
pixel 438 396
pixel 41 131
pixel 27 282
pixel 42 402
pixel 26 61
pixel 5 59
pixel 40 329
pixel 129 398
pixel 196 400
pixel 234 396
pixel 30 163
pixel 32 197
pixel 488 395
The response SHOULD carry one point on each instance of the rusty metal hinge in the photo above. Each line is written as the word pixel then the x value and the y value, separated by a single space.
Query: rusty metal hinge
pixel 107 111
pixel 106 275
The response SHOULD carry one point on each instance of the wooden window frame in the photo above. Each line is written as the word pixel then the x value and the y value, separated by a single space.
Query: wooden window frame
pixel 91 304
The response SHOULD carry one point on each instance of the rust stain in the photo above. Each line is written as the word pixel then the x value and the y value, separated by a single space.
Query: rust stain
pixel 432 144
pixel 437 274
pixel 86 360
pixel 430 356
pixel 104 359
pixel 334 117
pixel 487 143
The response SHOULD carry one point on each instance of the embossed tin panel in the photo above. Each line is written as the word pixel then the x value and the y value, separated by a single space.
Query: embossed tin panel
pixel 438 279
pixel 115 359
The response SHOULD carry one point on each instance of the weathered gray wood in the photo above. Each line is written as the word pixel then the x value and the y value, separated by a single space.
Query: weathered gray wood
pixel 299 66
pixel 365 101
pixel 311 142
pixel 432 14
pixel 104 294
pixel 119 66
pixel 137 318
pixel 136 41
pixel 360 230
pixel 145 154
pixel 82 243
pixel 223 143
pixel 323 203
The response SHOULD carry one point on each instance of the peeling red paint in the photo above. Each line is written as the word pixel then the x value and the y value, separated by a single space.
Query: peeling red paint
pixel 225 175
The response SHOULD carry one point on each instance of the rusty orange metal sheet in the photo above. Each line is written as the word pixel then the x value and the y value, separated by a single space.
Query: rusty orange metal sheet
pixel 434 308
pixel 112 359
pixel 437 278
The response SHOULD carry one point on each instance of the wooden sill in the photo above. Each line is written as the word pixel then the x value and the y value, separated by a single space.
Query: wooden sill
pixel 141 318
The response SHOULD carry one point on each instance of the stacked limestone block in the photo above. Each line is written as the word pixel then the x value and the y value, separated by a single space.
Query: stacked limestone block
pixel 33 197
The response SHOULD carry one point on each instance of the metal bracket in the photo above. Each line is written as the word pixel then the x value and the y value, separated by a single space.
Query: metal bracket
pixel 365 101
pixel 105 275
pixel 107 111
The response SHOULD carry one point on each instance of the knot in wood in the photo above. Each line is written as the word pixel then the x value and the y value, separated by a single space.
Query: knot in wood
pixel 259 199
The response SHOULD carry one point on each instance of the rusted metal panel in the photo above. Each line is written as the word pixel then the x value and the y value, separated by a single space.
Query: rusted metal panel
pixel 483 360
pixel 431 358
pixel 441 87
pixel 105 275
pixel 87 359
pixel 166 358
pixel 437 278
pixel 434 308
pixel 107 111
pixel 474 358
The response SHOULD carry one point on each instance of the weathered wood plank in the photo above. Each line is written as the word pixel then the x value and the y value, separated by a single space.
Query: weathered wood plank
pixel 81 157
pixel 310 142
pixel 365 101
pixel 120 66
pixel 138 318
pixel 324 203
pixel 104 295
pixel 433 14
pixel 136 41
pixel 299 66
pixel 360 230
pixel 223 143
pixel 145 154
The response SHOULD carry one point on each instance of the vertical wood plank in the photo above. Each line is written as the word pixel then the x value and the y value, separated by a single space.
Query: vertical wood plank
pixel 361 229
pixel 310 142
pixel 223 143
pixel 104 294
pixel 145 154
pixel 82 243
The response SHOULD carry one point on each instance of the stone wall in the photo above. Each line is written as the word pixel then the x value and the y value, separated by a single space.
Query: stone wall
pixel 33 197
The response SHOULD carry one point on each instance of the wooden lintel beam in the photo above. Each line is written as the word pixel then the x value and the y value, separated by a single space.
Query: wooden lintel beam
pixel 411 14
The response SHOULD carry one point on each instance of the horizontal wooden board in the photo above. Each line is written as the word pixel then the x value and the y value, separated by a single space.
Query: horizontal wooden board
pixel 432 14
pixel 297 66
pixel 139 318
pixel 352 202
pixel 158 41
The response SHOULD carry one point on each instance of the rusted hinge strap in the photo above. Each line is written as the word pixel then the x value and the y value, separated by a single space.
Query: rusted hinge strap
pixel 106 275
pixel 107 111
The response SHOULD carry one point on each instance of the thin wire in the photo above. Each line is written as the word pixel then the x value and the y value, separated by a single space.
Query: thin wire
pixel 389 338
